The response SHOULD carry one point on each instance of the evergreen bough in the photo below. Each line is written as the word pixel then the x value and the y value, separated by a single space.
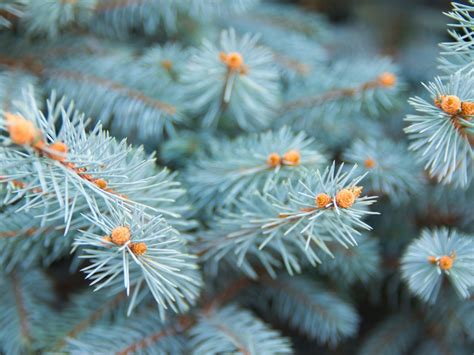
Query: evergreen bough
pixel 264 225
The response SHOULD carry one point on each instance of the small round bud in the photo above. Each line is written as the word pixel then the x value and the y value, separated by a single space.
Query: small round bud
pixel 120 235
pixel 369 163
pixel 274 160
pixel 387 79
pixel 21 131
pixel 292 157
pixel 432 259
pixel 234 60
pixel 445 262
pixel 450 104
pixel 101 183
pixel 57 151
pixel 138 248
pixel 167 64
pixel 322 200
pixel 467 108
pixel 345 198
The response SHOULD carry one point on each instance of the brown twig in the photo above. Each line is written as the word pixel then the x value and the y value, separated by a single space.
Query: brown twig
pixel 332 95
pixel 22 313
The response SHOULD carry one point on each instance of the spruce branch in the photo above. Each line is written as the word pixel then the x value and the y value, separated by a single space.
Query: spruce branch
pixel 385 79
pixel 455 318
pixel 142 333
pixel 105 87
pixel 360 88
pixel 292 35
pixel 264 207
pixel 83 312
pixel 441 132
pixel 392 171
pixel 44 242
pixel 108 88
pixel 24 304
pixel 10 10
pixel 51 17
pixel 217 178
pixel 397 334
pixel 145 333
pixel 236 78
pixel 166 62
pixel 348 266
pixel 458 55
pixel 12 82
pixel 139 250
pixel 288 223
pixel 307 307
pixel 446 207
pixel 121 18
pixel 230 329
pixel 69 166
pixel 438 254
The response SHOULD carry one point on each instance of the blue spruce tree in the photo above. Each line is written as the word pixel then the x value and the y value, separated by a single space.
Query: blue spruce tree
pixel 220 177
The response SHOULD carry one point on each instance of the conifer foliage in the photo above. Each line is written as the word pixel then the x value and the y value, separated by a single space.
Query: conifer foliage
pixel 213 177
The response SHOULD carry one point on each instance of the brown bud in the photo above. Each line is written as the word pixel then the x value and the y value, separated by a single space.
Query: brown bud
pixel 167 64
pixel 467 108
pixel 101 183
pixel 120 235
pixel 345 198
pixel 292 157
pixel 369 163
pixel 138 248
pixel 21 131
pixel 274 160
pixel 322 200
pixel 234 60
pixel 387 79
pixel 445 262
pixel 451 104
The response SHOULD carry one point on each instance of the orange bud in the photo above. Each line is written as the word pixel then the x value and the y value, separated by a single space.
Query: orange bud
pixel 432 259
pixel 234 60
pixel 138 248
pixel 21 131
pixel 467 108
pixel 292 157
pixel 167 64
pixel 322 200
pixel 345 198
pixel 58 147
pixel 387 79
pixel 446 262
pixel 369 163
pixel 450 104
pixel 101 183
pixel 274 160
pixel 120 235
